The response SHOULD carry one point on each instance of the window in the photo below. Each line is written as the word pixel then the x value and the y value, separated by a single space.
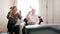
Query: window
pixel 26 5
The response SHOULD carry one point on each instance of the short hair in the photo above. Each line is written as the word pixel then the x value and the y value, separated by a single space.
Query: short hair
pixel 13 7
pixel 10 7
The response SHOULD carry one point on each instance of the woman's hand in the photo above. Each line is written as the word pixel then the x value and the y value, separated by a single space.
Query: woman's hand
pixel 10 13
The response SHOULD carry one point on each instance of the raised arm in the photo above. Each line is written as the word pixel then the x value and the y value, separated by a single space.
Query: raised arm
pixel 9 15
pixel 28 14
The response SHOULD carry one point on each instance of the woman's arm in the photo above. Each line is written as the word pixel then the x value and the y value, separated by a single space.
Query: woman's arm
pixel 27 17
pixel 9 15
pixel 28 14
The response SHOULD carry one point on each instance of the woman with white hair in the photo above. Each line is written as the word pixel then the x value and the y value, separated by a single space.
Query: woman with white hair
pixel 31 17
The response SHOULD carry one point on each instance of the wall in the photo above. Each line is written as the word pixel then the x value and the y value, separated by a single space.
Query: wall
pixel 56 11
pixel 4 8
pixel 43 11
pixel 53 11
pixel 50 11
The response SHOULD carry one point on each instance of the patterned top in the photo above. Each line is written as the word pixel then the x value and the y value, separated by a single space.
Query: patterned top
pixel 14 18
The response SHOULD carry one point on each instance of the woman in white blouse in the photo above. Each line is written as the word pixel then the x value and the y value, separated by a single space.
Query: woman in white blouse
pixel 31 17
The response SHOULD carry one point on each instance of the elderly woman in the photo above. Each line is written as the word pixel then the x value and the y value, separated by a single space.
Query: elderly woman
pixel 13 17
pixel 31 17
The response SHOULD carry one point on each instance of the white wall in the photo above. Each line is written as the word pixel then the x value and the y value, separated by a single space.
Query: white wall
pixel 53 11
pixel 4 8
pixel 50 11
pixel 56 11
pixel 43 10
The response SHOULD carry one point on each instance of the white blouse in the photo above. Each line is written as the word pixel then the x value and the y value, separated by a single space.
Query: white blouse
pixel 33 19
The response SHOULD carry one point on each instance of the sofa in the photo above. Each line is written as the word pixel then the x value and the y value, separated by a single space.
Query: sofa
pixel 42 29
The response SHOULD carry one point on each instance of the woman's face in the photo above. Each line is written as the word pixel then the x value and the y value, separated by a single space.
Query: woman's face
pixel 33 11
pixel 14 10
